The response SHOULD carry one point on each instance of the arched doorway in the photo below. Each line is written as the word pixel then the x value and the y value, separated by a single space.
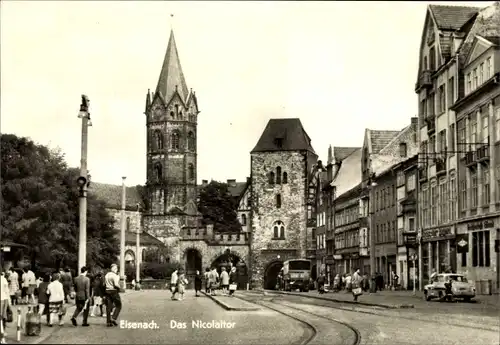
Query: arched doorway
pixel 193 262
pixel 271 275
pixel 227 259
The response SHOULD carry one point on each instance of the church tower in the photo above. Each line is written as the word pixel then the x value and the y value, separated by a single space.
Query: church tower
pixel 171 164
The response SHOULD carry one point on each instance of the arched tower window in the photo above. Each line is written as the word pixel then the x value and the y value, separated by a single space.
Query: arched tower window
pixel 285 178
pixel 278 175
pixel 279 230
pixel 158 172
pixel 271 178
pixel 190 141
pixel 278 201
pixel 191 170
pixel 243 219
pixel 172 115
pixel 175 140
pixel 128 224
pixel 180 114
pixel 159 140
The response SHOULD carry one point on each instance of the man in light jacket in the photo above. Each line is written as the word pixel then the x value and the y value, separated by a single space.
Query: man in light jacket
pixel 173 283
pixel 82 290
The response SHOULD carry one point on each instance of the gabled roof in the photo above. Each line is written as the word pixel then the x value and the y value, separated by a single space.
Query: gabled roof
pixel 290 131
pixel 340 153
pixel 390 156
pixel 237 189
pixel 452 17
pixel 145 239
pixel 171 77
pixel 349 173
pixel 494 40
pixel 379 139
pixel 485 25
pixel 111 194
pixel 479 45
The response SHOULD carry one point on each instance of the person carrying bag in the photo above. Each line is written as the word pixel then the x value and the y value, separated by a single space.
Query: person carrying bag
pixel 356 285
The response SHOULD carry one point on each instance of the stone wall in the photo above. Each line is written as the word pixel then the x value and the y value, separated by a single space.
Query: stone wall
pixel 293 211
pixel 211 253
pixel 167 229
pixel 134 218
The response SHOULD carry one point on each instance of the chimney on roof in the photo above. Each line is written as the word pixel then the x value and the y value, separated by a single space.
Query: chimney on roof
pixel 204 182
pixel 414 121
pixel 231 183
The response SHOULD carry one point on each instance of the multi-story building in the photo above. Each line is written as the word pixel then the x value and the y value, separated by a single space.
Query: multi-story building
pixel 478 123
pixel 346 189
pixel 240 191
pixel 445 53
pixel 281 170
pixel 438 86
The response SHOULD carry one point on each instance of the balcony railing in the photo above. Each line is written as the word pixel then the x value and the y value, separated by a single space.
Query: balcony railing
pixel 424 80
pixel 483 154
pixel 422 174
pixel 470 158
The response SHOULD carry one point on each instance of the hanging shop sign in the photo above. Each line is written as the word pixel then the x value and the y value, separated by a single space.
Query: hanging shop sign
pixel 437 234
pixel 480 225
pixel 462 243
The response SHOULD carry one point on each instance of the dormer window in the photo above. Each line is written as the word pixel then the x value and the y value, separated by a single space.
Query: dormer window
pixel 278 142
pixel 402 150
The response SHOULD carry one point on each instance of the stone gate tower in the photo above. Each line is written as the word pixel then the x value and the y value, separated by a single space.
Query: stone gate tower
pixel 171 123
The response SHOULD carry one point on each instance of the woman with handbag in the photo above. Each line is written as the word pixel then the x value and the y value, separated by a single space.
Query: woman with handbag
pixel 197 282
pixel 55 290
pixel 356 285
pixel 4 302
pixel 15 292
pixel 232 282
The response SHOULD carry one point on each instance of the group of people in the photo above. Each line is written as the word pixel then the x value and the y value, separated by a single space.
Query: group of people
pixel 225 281
pixel 52 291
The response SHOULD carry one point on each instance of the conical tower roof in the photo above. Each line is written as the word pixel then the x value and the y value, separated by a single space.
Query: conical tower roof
pixel 171 76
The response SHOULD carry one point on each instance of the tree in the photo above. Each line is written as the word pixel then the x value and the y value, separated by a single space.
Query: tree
pixel 40 207
pixel 141 190
pixel 218 207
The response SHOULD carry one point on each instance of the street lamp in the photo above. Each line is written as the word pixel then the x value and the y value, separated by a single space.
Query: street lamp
pixel 83 182
pixel 371 184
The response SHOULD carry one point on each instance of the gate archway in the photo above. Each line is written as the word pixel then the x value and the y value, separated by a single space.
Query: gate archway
pixel 271 274
pixel 193 261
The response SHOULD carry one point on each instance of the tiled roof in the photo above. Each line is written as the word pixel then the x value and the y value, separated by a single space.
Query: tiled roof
pixel 290 131
pixel 339 153
pixel 236 189
pixel 389 156
pixel 493 39
pixel 145 239
pixel 485 25
pixel 349 174
pixel 112 195
pixel 171 76
pixel 452 17
pixel 380 139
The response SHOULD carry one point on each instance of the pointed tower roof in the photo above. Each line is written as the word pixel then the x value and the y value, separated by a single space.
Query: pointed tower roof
pixel 171 76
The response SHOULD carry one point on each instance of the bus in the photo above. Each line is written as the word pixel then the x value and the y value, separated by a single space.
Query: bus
pixel 296 275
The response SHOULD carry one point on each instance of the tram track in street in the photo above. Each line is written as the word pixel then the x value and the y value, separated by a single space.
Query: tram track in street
pixel 278 307
pixel 380 312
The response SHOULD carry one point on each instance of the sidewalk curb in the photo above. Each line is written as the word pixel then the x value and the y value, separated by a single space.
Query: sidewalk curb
pixel 46 333
pixel 387 306
pixel 228 307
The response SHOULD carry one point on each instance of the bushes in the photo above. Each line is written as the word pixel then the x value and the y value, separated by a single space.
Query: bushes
pixel 152 270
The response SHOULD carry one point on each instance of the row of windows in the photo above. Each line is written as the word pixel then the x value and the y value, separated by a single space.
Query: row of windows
pixel 385 233
pixel 175 140
pixel 321 241
pixel 438 203
pixel 278 177
pixel 478 193
pixel 470 136
pixel 321 219
pixel 385 198
pixel 243 220
pixel 278 230
pixel 158 171
pixel 432 105
pixel 347 215
pixel 479 75
pixel 347 239
pixel 178 115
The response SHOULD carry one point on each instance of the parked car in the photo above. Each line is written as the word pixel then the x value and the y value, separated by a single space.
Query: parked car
pixel 461 287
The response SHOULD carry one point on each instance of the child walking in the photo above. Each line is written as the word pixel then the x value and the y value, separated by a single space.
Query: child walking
pixel 181 283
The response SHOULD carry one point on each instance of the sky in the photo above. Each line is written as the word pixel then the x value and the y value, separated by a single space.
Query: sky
pixel 340 67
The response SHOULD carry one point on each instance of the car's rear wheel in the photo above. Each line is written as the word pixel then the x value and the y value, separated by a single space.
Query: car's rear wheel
pixel 467 299
pixel 426 296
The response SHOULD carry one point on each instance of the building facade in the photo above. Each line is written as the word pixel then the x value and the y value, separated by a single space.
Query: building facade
pixel 450 82
pixel 282 163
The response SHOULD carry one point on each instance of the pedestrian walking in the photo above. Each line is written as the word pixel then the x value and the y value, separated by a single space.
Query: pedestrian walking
pixel 197 282
pixel 173 283
pixel 57 309
pixel 98 289
pixel 43 297
pixel 348 283
pixel 181 284
pixel 82 297
pixel 14 290
pixel 321 283
pixel 214 281
pixel 207 284
pixel 29 283
pixel 224 277
pixel 356 285
pixel 4 300
pixel 113 300
pixel 336 283
pixel 232 281
pixel 67 281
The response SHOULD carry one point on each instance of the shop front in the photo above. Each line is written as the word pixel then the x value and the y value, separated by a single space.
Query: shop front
pixel 349 262
pixel 437 251
pixel 406 265
pixel 477 253
pixel 385 261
